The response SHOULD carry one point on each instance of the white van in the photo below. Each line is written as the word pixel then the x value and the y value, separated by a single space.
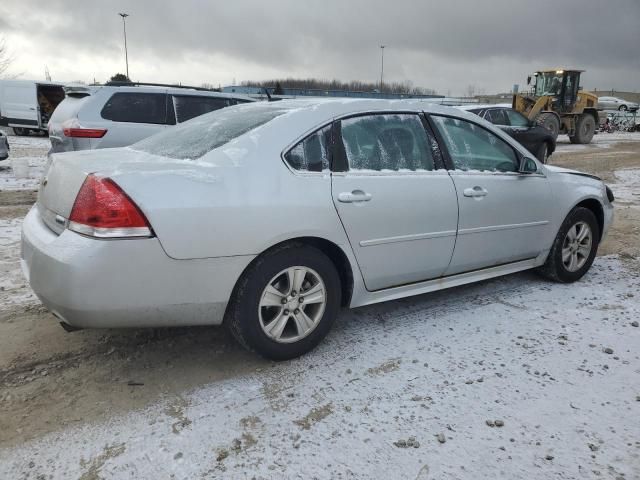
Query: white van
pixel 27 105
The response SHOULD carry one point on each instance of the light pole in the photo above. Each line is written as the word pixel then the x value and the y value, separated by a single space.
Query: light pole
pixel 124 29
pixel 382 65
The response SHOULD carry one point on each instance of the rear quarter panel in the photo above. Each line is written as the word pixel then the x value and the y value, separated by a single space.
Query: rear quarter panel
pixel 239 199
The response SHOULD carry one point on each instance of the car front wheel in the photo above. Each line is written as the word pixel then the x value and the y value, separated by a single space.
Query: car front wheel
pixel 286 302
pixel 574 247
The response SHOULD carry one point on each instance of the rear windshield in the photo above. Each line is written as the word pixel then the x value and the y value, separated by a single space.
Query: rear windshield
pixel 196 137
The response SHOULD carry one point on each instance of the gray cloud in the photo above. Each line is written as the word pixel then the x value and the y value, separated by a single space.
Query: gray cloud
pixel 446 45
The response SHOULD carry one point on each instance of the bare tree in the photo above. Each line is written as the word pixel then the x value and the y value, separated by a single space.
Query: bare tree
pixel 5 57
pixel 405 87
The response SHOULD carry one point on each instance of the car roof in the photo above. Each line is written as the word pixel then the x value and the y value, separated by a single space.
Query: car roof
pixel 347 106
pixel 172 90
pixel 556 70
pixel 483 107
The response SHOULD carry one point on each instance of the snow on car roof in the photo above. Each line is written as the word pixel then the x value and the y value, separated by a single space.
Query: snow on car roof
pixel 484 106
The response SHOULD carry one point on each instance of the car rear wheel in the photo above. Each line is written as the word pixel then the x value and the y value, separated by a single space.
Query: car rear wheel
pixel 574 247
pixel 19 131
pixel 285 303
pixel 622 108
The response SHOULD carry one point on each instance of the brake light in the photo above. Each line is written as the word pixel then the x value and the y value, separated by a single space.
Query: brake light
pixel 102 209
pixel 84 132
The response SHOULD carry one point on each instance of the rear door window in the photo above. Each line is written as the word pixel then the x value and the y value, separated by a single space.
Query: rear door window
pixel 392 142
pixel 134 107
pixel 191 106
pixel 516 119
pixel 472 147
pixel 497 116
pixel 312 153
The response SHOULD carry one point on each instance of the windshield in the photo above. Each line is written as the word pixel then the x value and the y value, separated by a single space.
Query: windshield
pixel 548 83
pixel 196 137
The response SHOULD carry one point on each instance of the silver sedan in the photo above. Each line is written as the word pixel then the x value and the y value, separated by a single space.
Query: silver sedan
pixel 616 103
pixel 270 217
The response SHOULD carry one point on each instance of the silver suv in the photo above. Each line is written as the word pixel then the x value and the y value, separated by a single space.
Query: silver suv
pixel 117 116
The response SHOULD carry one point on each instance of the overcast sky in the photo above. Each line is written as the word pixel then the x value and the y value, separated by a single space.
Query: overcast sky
pixel 445 45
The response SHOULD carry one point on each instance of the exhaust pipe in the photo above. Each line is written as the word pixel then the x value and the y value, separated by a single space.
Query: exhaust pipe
pixel 69 328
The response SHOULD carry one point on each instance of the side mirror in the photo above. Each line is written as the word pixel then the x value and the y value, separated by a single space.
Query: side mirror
pixel 528 165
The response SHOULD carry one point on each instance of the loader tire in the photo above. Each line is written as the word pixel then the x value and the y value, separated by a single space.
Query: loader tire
pixel 551 122
pixel 585 129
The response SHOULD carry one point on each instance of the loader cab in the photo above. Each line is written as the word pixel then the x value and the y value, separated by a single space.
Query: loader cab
pixel 563 85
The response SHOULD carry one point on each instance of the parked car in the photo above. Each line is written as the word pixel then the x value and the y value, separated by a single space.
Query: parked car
pixel 615 103
pixel 117 116
pixel 535 138
pixel 4 146
pixel 269 217
pixel 27 105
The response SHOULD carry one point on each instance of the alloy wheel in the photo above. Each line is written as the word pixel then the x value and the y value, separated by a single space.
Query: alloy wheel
pixel 292 304
pixel 576 247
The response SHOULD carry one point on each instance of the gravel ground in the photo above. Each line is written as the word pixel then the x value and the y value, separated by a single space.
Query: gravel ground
pixel 513 378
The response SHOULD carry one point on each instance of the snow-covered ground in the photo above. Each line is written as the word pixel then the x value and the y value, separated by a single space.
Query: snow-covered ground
pixel 409 389
pixel 14 289
pixel 627 186
pixel 600 140
pixel 30 149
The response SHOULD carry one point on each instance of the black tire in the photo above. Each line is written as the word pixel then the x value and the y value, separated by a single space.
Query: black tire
pixel 243 318
pixel 20 132
pixel 551 122
pixel 585 129
pixel 622 108
pixel 554 268
pixel 542 153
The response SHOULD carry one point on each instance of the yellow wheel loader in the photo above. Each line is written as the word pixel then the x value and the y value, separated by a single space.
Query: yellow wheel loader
pixel 558 103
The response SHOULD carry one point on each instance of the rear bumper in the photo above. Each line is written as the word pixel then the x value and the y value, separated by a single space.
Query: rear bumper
pixel 123 283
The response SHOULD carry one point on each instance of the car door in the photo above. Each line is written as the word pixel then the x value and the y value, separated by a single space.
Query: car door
pixel 191 106
pixel 504 215
pixel 19 106
pixel 132 116
pixel 523 130
pixel 518 129
pixel 606 103
pixel 396 201
pixel 499 117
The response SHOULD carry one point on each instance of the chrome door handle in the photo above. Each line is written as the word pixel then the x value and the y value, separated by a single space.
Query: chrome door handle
pixel 353 197
pixel 475 192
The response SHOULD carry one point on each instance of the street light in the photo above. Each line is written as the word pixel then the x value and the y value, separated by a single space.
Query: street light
pixel 382 66
pixel 124 28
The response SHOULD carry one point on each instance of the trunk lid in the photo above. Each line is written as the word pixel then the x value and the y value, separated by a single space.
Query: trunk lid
pixel 65 173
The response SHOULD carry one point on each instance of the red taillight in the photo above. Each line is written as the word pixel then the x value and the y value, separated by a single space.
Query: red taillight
pixel 102 209
pixel 84 132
